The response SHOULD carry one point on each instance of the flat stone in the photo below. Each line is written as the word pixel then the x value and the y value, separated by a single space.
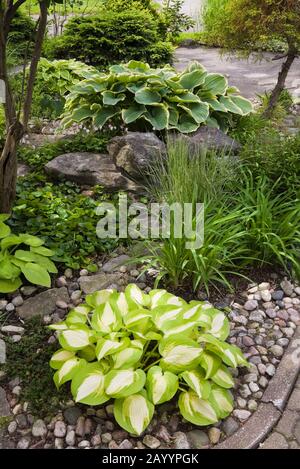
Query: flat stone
pixel 241 414
pixel 287 423
pixel 275 441
pixel 60 429
pixel 230 426
pixel 126 444
pixel 10 329
pixel 4 405
pixel 71 438
pixel 250 305
pixel 114 263
pixel 297 431
pixel 287 372
pixel 254 430
pixel 214 435
pixel 89 169
pixel 43 304
pixel 181 441
pixel 2 352
pixel 294 400
pixel 287 287
pixel 198 439
pixel 39 429
pixel 151 442
pixel 71 415
pixel 92 283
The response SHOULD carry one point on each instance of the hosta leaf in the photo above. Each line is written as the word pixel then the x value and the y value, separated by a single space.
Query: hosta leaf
pixel 196 380
pixel 8 271
pixel 88 385
pixel 111 99
pixel 75 318
pixel 137 320
pixel 161 386
pixel 60 357
pixel 195 410
pixel 185 98
pixel 67 371
pixel 147 96
pixel 88 353
pixel 230 105
pixel 9 286
pixel 215 83
pixel 179 353
pixel 135 295
pixel 36 274
pixel 158 116
pixel 11 240
pixel 220 326
pixel 192 79
pixel 198 111
pixel 99 297
pixel 210 362
pixel 215 104
pixel 106 319
pixel 4 230
pixel 222 401
pixel 129 356
pixel 82 113
pixel 102 116
pixel 134 413
pixel 30 240
pixel 42 251
pixel 133 112
pixel 76 338
pixel 186 124
pixel 122 383
pixel 244 104
pixel 107 347
pixel 162 315
pixel 223 378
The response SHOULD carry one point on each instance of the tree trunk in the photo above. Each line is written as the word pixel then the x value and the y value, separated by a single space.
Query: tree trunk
pixel 275 95
pixel 8 168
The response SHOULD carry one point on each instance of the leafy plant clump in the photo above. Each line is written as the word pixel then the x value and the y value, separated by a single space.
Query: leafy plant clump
pixel 160 98
pixel 35 264
pixel 140 349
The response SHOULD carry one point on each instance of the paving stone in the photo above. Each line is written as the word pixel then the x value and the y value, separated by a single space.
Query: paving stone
pixel 297 431
pixel 294 401
pixel 287 423
pixel 275 441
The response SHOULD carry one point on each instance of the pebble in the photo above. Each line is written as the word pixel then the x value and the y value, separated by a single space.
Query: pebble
pixel 106 438
pixel 287 287
pixel 16 390
pixel 245 391
pixel 83 272
pixel 10 307
pixel 266 295
pixel 270 370
pixel 17 300
pixel 277 350
pixel 71 438
pixel 23 443
pixel 28 290
pixel 284 342
pixel 62 304
pixel 181 441
pixel 12 427
pixel 248 341
pixel 68 273
pixel 250 377
pixel 214 435
pixel 59 443
pixel 96 440
pixel 126 444
pixel 250 305
pixel 16 338
pixel 252 405
pixel 39 429
pixel 253 387
pixel 241 414
pixel 230 426
pixel 198 439
pixel 84 444
pixel 271 313
pixel 277 295
pixel 60 429
pixel 61 282
pixel 76 295
pixel 3 304
pixel 241 402
pixel 263 382
pixel 264 286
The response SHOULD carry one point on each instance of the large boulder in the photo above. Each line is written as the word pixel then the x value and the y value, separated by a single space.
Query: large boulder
pixel 136 152
pixel 89 169
pixel 43 304
pixel 211 139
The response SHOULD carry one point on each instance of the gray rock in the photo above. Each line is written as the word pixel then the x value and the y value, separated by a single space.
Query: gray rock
pixel 10 329
pixel 39 429
pixel 277 295
pixel 89 169
pixel 263 382
pixel 43 304
pixel 287 287
pixel 4 405
pixel 181 441
pixel 114 263
pixel 136 152
pixel 277 350
pixel 151 442
pixel 12 427
pixel 270 370
pixel 21 420
pixel 250 377
pixel 96 282
pixel 59 443
pixel 23 443
pixel 230 426
pixel 214 435
pixel 252 405
pixel 84 444
pixel 71 438
pixel 106 438
pixel 17 300
pixel 241 414
pixel 2 352
pixel 253 387
pixel 256 316
pixel 28 290
pixel 266 295
pixel 3 304
pixel 126 444
pixel 60 429
pixel 71 415
pixel 250 305
pixel 198 439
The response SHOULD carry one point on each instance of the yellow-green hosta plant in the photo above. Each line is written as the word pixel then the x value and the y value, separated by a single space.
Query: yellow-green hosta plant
pixel 161 99
pixel 23 255
pixel 141 350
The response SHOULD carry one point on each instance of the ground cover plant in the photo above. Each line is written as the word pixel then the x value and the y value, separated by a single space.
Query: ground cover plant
pixel 159 99
pixel 140 349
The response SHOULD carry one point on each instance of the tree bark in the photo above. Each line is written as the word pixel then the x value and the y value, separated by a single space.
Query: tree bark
pixel 275 95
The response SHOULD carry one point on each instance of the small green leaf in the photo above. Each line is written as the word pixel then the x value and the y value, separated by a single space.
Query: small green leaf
pixel 36 274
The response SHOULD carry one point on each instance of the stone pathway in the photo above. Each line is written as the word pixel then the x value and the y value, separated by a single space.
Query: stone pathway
pixel 286 435
pixel 251 76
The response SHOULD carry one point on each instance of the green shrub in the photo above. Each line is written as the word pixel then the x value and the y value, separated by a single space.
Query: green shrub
pixel 159 99
pixel 35 263
pixel 110 38
pixel 139 349
pixel 20 38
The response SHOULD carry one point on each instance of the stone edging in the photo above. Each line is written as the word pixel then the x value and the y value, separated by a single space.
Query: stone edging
pixel 262 422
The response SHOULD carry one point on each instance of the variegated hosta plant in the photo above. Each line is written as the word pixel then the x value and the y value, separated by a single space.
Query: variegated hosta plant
pixel 141 349
pixel 161 98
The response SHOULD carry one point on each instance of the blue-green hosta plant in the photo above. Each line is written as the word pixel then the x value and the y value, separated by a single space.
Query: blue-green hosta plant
pixel 141 350
pixel 23 255
pixel 161 98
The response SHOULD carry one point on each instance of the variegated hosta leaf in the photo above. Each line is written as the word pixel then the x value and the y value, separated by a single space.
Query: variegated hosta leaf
pixel 122 383
pixel 195 410
pixel 106 319
pixel 88 385
pixel 99 297
pixel 162 297
pixel 60 326
pixel 222 401
pixel 120 303
pixel 107 347
pixel 67 371
pixel 138 320
pixel 223 378
pixel 200 310
pixel 75 338
pixel 134 413
pixel 230 354
pixel 210 363
pixel 88 353
pixel 129 356
pixel 179 353
pixel 75 318
pixel 220 326
pixel 134 294
pixel 60 357
pixel 196 380
pixel 163 315
pixel 161 386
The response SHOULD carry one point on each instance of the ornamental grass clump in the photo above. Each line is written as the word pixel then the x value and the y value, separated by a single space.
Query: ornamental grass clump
pixel 141 350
